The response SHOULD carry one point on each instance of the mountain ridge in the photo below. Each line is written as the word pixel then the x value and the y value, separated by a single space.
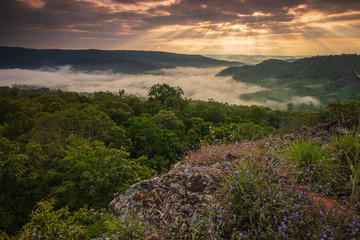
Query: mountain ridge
pixel 327 78
pixel 121 61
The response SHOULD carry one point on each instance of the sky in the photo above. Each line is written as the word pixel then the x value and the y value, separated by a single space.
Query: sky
pixel 252 27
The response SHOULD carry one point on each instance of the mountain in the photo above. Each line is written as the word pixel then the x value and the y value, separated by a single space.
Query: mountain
pixel 131 62
pixel 326 78
pixel 255 73
pixel 253 59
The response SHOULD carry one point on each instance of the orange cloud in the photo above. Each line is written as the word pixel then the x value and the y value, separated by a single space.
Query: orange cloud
pixel 202 26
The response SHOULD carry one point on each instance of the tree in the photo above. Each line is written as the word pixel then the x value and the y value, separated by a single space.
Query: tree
pixel 51 130
pixel 257 114
pixel 169 120
pixel 147 137
pixel 21 183
pixel 50 102
pixel 167 95
pixel 290 107
pixel 91 172
pixel 118 111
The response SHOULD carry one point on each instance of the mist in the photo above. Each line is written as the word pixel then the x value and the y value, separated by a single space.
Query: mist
pixel 197 83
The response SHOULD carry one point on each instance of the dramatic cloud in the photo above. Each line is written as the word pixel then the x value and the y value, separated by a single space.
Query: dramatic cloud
pixel 197 83
pixel 187 26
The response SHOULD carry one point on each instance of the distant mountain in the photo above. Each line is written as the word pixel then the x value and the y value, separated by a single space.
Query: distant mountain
pixel 131 62
pixel 255 73
pixel 326 78
pixel 253 59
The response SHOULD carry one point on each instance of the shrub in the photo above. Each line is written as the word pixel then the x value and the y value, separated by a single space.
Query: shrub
pixel 48 223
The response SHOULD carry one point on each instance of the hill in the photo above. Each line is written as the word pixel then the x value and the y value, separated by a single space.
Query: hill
pixel 327 78
pixel 131 62
pixel 66 156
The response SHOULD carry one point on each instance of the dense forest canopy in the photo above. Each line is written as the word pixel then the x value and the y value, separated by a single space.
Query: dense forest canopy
pixel 82 148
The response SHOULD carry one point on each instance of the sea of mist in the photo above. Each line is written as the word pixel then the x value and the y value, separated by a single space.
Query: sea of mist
pixel 197 83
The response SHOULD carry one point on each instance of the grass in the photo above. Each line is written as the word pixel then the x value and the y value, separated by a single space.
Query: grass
pixel 349 145
pixel 309 162
pixel 258 202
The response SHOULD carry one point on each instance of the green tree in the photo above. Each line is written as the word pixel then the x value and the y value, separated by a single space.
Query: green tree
pixel 91 172
pixel 199 126
pixel 117 110
pixel 169 120
pixel 168 96
pixel 51 130
pixel 50 102
pixel 21 183
pixel 147 137
pixel 257 114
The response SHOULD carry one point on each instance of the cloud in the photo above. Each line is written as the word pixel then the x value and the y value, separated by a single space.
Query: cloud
pixel 109 24
pixel 197 83
pixel 333 6
pixel 295 100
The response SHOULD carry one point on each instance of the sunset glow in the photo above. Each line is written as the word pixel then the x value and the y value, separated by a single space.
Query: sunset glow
pixel 184 26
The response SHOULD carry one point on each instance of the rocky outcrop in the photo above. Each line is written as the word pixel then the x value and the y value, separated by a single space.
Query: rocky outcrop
pixel 192 186
pixel 183 191
pixel 189 186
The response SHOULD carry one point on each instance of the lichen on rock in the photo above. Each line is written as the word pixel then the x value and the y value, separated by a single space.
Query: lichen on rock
pixel 187 188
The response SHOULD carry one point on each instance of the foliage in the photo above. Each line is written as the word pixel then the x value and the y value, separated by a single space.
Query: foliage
pixel 81 148
pixel 21 183
pixel 48 223
pixel 256 200
pixel 309 162
pixel 147 137
pixel 168 96
pixel 90 172
pixel 340 110
pixel 349 147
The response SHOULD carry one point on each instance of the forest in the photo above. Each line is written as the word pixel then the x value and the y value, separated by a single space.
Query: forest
pixel 71 152
pixel 327 78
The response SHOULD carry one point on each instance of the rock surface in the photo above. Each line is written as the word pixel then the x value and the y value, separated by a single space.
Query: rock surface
pixel 184 190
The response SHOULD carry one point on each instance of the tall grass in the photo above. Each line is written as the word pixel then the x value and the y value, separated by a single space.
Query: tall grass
pixel 349 145
pixel 310 162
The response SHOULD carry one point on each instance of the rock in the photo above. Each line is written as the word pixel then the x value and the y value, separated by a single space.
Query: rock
pixel 187 188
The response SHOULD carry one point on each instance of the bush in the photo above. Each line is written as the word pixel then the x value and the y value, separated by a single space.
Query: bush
pixel 48 223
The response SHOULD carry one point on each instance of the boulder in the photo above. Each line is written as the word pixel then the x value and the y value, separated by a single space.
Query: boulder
pixel 184 191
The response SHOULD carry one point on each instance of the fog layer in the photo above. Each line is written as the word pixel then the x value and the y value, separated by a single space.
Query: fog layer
pixel 197 83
